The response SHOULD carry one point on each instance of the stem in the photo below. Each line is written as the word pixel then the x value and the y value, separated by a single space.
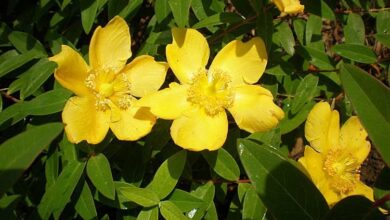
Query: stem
pixel 7 96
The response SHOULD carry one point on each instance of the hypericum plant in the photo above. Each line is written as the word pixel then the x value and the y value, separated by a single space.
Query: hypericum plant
pixel 335 155
pixel 106 89
pixel 197 105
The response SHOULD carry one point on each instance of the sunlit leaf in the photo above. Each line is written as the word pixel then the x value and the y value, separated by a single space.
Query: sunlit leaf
pixel 99 172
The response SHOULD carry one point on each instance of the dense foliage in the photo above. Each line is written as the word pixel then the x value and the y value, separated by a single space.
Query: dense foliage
pixel 334 51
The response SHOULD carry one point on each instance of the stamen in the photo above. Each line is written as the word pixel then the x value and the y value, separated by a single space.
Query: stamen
pixel 211 91
pixel 343 169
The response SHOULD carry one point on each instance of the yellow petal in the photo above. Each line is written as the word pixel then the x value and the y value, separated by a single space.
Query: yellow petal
pixel 71 71
pixel 244 62
pixel 289 6
pixel 197 131
pixel 363 190
pixel 134 123
pixel 254 110
pixel 168 103
pixel 318 124
pixel 145 74
pixel 353 137
pixel 110 46
pixel 313 162
pixel 334 129
pixel 330 195
pixel 188 54
pixel 84 122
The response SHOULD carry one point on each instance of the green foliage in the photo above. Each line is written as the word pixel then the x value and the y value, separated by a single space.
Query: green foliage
pixel 337 51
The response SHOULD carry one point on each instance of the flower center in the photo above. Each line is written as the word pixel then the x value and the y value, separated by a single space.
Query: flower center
pixel 211 91
pixel 110 88
pixel 343 169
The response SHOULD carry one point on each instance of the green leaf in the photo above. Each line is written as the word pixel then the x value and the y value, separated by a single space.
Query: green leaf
pixel 25 43
pixel 124 8
pixel 36 76
pixel 367 96
pixel 85 205
pixel 382 22
pixel 384 39
pixel 285 190
pixel 382 187
pixel 305 92
pixel 284 37
pixel 167 175
pixel 358 53
pixel 313 29
pixel 181 11
pixel 18 152
pixel 8 205
pixel 290 121
pixel 206 193
pixel 186 202
pixel 15 62
pixel 265 28
pixel 222 163
pixel 355 207
pixel 253 208
pixel 162 10
pixel 148 214
pixel 170 211
pixel 99 172
pixel 299 29
pixel 58 195
pixel 88 13
pixel 52 166
pixel 143 197
pixel 354 31
pixel 46 103
pixel 217 19
pixel 316 57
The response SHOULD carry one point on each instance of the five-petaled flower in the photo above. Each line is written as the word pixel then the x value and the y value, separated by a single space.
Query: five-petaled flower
pixel 334 158
pixel 289 7
pixel 106 88
pixel 198 104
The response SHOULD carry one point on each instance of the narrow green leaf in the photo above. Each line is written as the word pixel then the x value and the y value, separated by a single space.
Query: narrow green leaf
pixel 367 96
pixel 88 13
pixel 265 28
pixel 124 8
pixel 167 175
pixel 46 103
pixel 18 152
pixel 171 211
pixel 290 121
pixel 382 22
pixel 148 214
pixel 8 206
pixel 253 208
pixel 284 37
pixel 85 205
pixel 284 189
pixel 36 76
pixel 384 39
pixel 222 163
pixel 186 202
pixel 355 207
pixel 181 11
pixel 15 62
pixel 305 92
pixel 58 195
pixel 358 53
pixel 99 172
pixel 316 57
pixel 24 42
pixel 299 29
pixel 52 166
pixel 313 29
pixel 354 31
pixel 162 10
pixel 217 19
pixel 143 197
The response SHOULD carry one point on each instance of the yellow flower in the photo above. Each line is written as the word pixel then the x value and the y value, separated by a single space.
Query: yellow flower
pixel 105 89
pixel 198 104
pixel 334 158
pixel 289 7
